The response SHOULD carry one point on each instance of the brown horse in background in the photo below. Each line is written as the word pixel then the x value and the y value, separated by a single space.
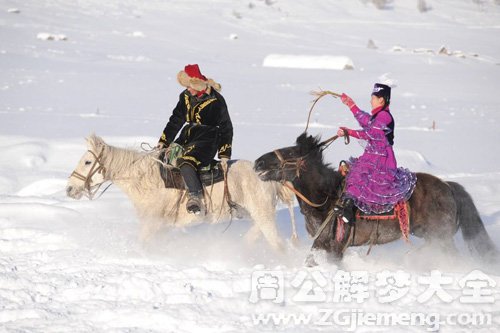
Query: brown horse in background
pixel 437 208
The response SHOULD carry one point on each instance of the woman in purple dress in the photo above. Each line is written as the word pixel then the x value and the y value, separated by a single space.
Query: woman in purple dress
pixel 374 183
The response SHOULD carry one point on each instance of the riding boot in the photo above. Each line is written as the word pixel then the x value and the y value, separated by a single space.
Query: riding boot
pixel 194 204
pixel 346 210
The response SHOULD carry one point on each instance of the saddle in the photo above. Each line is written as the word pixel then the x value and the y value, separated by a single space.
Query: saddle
pixel 390 215
pixel 171 174
pixel 208 176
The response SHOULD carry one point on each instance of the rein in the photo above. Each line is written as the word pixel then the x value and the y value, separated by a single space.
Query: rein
pixel 299 164
pixel 226 196
pixel 303 197
pixel 97 167
pixel 329 141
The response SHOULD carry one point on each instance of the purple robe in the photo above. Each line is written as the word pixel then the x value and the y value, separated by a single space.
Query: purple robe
pixel 374 181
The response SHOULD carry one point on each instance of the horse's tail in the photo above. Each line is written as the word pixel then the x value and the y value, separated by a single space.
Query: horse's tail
pixel 470 223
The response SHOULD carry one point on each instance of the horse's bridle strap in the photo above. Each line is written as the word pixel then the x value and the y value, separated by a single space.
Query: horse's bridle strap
pixel 303 197
pixel 97 167
pixel 297 163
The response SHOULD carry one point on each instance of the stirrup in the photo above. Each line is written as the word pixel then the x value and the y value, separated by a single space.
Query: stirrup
pixel 194 209
pixel 194 204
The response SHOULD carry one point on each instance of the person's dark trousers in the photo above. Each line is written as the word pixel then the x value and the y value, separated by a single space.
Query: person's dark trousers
pixel 195 189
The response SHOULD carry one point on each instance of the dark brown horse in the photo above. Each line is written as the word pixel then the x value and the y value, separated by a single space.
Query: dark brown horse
pixel 437 208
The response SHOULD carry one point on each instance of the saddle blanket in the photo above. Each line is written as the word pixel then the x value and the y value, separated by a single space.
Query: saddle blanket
pixel 400 212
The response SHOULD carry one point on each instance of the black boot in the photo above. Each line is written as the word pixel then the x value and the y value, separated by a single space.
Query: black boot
pixel 348 213
pixel 346 210
pixel 195 192
pixel 194 204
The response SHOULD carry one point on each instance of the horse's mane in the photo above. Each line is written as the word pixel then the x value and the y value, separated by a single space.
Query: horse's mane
pixel 326 176
pixel 133 161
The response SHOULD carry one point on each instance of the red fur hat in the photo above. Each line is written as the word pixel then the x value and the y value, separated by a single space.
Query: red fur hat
pixel 191 77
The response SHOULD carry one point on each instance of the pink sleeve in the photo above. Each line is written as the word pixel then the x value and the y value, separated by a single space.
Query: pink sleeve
pixel 373 130
pixel 353 133
pixel 355 109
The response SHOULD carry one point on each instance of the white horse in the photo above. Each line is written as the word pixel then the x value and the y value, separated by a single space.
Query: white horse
pixel 138 175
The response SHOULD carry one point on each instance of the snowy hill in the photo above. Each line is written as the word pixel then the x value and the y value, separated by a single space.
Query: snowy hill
pixel 69 69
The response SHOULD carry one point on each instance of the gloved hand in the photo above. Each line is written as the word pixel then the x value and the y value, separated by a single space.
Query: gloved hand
pixel 342 131
pixel 161 145
pixel 223 163
pixel 347 101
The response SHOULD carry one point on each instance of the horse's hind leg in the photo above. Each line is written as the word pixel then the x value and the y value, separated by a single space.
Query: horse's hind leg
pixel 266 223
pixel 253 234
pixel 445 245
pixel 449 246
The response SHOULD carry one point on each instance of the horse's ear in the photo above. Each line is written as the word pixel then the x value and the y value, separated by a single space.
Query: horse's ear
pixel 301 138
pixel 94 142
pixel 307 142
pixel 88 141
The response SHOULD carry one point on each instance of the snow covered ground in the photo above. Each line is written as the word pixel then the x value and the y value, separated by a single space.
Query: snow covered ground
pixel 72 68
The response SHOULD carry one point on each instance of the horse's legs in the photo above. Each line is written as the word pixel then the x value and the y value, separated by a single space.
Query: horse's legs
pixel 445 245
pixel 266 222
pixel 258 198
pixel 253 234
pixel 310 261
pixel 271 235
pixel 263 214
pixel 449 247
pixel 333 257
pixel 148 227
pixel 440 230
pixel 325 242
pixel 336 254
pixel 288 198
pixel 295 237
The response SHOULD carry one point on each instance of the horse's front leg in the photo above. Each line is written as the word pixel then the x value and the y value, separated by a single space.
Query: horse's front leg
pixel 326 241
pixel 149 227
pixel 334 253
pixel 253 234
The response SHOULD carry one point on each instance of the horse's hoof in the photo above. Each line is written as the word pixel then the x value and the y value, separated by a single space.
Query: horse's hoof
pixel 310 262
pixel 295 240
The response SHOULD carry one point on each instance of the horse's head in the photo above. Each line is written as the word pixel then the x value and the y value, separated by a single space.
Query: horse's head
pixel 88 175
pixel 285 164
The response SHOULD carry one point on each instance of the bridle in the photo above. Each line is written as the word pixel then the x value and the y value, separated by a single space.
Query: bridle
pixel 299 164
pixel 97 167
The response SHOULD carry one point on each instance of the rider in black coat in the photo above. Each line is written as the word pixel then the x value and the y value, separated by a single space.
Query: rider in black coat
pixel 206 130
